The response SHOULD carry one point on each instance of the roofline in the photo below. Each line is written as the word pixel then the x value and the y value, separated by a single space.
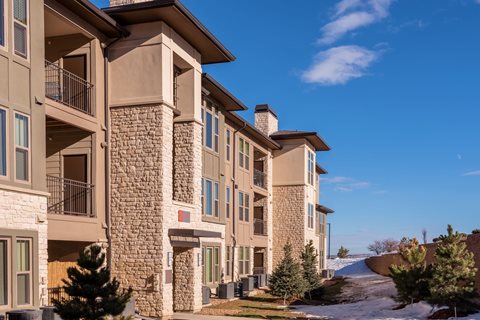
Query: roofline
pixel 324 209
pixel 320 170
pixel 214 82
pixel 272 144
pixel 103 16
pixel 165 3
pixel 301 134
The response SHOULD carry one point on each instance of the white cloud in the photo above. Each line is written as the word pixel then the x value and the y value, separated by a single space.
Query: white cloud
pixel 339 65
pixel 472 173
pixel 345 184
pixel 346 19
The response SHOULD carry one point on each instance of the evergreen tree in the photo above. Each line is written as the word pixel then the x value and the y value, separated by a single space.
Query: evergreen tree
pixel 343 252
pixel 453 278
pixel 92 295
pixel 411 278
pixel 286 280
pixel 312 278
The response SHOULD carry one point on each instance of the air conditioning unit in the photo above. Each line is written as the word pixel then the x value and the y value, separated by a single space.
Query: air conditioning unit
pixel 226 290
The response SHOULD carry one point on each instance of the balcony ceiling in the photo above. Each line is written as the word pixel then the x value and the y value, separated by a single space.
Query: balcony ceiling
pixel 55 26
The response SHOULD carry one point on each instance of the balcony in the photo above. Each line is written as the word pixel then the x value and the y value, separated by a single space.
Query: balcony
pixel 69 89
pixel 260 179
pixel 259 227
pixel 69 197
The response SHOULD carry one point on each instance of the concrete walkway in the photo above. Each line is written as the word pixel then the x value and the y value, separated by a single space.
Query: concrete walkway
pixel 190 316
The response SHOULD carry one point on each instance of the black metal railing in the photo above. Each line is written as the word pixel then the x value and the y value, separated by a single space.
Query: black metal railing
pixel 56 294
pixel 259 270
pixel 259 227
pixel 260 178
pixel 69 197
pixel 69 89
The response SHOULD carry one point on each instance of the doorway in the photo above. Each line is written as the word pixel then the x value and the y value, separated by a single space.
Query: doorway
pixel 76 192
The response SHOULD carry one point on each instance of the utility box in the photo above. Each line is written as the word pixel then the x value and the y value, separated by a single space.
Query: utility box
pixel 248 283
pixel 328 273
pixel 24 315
pixel 226 290
pixel 260 280
pixel 206 295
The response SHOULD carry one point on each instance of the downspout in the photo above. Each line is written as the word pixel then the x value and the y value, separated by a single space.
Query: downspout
pixel 234 179
pixel 107 150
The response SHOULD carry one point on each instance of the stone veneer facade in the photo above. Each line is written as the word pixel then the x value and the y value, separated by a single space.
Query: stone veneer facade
pixel 266 122
pixel 28 212
pixel 288 220
pixel 141 202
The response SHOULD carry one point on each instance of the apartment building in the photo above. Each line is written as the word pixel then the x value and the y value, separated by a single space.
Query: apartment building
pixel 111 134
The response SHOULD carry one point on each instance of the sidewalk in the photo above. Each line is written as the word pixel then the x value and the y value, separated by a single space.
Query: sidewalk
pixel 191 316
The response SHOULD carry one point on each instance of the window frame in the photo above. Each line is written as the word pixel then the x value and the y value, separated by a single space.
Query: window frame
pixel 28 149
pixel 29 273
pixel 243 206
pixel 215 264
pixel 228 260
pixel 227 201
pixel 214 202
pixel 25 56
pixel 243 260
pixel 7 133
pixel 8 269
pixel 244 154
pixel 211 109
pixel 310 219
pixel 228 139
pixel 311 168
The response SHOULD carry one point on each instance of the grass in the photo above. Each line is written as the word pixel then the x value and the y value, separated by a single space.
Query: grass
pixel 266 306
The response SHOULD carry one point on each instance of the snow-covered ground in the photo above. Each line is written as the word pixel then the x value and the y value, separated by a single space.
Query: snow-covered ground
pixel 369 296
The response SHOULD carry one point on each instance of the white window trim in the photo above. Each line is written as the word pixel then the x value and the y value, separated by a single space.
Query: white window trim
pixel 29 150
pixel 215 125
pixel 310 168
pixel 30 272
pixel 242 205
pixel 310 217
pixel 7 137
pixel 228 198
pixel 27 31
pixel 245 156
pixel 228 141
pixel 215 198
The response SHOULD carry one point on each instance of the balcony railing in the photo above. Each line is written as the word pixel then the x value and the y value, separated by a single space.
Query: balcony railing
pixel 69 197
pixel 69 89
pixel 56 294
pixel 260 178
pixel 259 227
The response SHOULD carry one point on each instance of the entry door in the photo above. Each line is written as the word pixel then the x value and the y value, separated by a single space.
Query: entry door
pixel 258 263
pixel 75 88
pixel 76 191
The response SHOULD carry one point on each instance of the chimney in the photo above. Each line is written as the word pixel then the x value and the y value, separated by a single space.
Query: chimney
pixel 114 3
pixel 266 119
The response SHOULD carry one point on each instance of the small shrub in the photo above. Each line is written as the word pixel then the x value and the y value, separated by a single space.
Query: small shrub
pixel 476 231
pixel 343 252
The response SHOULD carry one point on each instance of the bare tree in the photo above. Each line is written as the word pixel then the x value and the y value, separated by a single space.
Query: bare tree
pixel 376 247
pixel 424 236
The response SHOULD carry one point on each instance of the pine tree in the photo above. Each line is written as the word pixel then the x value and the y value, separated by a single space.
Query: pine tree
pixel 453 278
pixel 312 278
pixel 343 252
pixel 411 278
pixel 92 295
pixel 286 280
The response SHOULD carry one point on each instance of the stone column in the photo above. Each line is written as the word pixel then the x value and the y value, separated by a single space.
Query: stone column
pixel 183 286
pixel 141 202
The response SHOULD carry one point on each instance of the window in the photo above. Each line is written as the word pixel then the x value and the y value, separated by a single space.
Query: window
pixel 2 23
pixel 22 147
pixel 317 222
pixel 227 202
pixel 243 206
pixel 227 144
pixel 20 25
pixel 3 140
pixel 211 123
pixel 244 154
pixel 211 264
pixel 243 260
pixel 311 167
pixel 24 272
pixel 310 216
pixel 4 262
pixel 321 258
pixel 210 198
pixel 228 259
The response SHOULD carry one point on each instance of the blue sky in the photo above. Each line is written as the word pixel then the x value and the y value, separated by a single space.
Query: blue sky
pixel 393 87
